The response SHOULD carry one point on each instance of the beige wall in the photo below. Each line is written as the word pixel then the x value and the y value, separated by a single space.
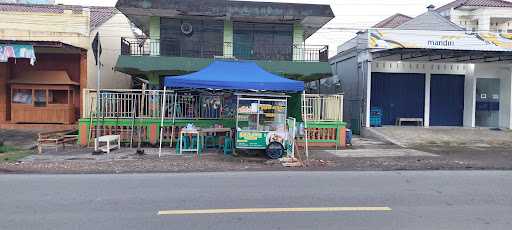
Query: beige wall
pixel 73 29
pixel 69 28
pixel 110 32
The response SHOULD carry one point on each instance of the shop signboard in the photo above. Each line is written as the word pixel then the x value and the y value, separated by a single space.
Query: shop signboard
pixel 251 139
pixel 452 40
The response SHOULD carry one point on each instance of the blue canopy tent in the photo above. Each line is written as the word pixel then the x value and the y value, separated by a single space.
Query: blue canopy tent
pixel 230 75
pixel 234 75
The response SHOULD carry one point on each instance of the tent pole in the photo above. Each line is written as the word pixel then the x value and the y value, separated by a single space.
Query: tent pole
pixel 98 95
pixel 305 118
pixel 162 122
pixel 174 117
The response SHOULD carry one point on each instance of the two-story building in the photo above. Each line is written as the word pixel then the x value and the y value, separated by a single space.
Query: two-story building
pixel 479 15
pixel 186 36
pixel 471 15
pixel 46 60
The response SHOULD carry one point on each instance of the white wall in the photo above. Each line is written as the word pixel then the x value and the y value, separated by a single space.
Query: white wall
pixel 472 72
pixel 485 16
pixel 503 73
pixel 111 32
pixel 469 97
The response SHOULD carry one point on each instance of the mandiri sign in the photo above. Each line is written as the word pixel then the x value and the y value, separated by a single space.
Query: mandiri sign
pixel 452 40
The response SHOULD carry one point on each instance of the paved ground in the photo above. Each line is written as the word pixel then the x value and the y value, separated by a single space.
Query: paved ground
pixel 377 153
pixel 444 136
pixel 418 200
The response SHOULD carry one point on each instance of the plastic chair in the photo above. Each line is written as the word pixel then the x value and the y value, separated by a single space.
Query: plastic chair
pixel 195 139
pixel 228 146
pixel 211 142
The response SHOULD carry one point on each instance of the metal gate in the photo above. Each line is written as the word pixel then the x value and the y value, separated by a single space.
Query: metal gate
pixel 446 100
pixel 398 95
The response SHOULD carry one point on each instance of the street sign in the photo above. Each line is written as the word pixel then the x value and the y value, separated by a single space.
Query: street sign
pixel 96 48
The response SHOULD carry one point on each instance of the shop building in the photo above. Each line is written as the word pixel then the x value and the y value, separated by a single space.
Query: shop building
pixel 185 37
pixel 427 70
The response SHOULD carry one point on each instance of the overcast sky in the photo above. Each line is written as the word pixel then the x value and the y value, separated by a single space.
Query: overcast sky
pixel 350 15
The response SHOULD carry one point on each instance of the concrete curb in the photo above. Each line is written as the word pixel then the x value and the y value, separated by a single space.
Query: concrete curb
pixel 375 134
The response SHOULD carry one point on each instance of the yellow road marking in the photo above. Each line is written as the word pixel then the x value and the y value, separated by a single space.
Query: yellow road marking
pixel 274 210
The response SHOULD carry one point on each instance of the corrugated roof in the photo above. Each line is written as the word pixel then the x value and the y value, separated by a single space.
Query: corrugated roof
pixel 393 21
pixel 476 3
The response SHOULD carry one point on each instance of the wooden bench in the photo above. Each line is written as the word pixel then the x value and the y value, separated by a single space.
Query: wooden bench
pixel 400 120
pixel 112 142
pixel 56 139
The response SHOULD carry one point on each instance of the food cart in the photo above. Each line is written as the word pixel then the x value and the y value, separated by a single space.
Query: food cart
pixel 261 119
pixel 261 123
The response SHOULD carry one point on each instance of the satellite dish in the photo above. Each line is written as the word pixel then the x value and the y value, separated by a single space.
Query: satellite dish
pixel 187 29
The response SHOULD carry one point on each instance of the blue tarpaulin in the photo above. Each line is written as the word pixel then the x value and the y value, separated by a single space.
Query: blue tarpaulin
pixel 235 75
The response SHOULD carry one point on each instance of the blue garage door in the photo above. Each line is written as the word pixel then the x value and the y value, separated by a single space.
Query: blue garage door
pixel 399 95
pixel 446 100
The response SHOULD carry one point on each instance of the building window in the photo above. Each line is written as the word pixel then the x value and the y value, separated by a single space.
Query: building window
pixel 263 41
pixel 59 97
pixel 191 38
pixel 40 98
pixel 22 96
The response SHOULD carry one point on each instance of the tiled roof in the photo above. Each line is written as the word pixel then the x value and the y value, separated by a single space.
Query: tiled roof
pixel 99 15
pixel 39 8
pixel 430 20
pixel 477 3
pixel 392 21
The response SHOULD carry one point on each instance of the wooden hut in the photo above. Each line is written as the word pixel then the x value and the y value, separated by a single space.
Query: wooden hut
pixel 43 97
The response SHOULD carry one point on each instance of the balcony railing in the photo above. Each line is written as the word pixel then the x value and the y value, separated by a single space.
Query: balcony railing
pixel 133 103
pixel 156 47
pixel 321 107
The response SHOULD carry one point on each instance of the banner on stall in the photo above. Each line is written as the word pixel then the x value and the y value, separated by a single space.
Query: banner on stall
pixel 452 40
pixel 17 51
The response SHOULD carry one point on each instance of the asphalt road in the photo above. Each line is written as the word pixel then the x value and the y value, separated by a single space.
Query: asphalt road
pixel 416 200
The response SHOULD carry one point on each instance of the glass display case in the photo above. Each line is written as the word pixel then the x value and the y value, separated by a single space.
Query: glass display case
pixel 261 120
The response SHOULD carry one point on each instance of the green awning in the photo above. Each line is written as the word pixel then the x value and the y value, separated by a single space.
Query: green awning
pixel 143 65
